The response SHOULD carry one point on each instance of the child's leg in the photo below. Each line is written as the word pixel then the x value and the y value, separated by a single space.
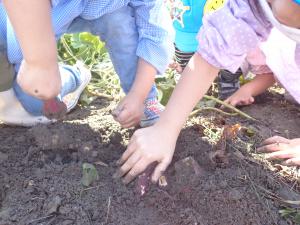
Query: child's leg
pixel 228 83
pixel 121 39
pixel 11 111
pixel 182 58
pixel 74 80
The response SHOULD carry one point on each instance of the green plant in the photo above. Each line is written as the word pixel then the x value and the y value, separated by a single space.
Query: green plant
pixel 91 50
pixel 165 86
pixel 89 174
pixel 289 213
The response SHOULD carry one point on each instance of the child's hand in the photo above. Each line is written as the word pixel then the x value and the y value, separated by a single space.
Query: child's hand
pixel 282 148
pixel 241 97
pixel 144 148
pixel 175 66
pixel 41 82
pixel 129 111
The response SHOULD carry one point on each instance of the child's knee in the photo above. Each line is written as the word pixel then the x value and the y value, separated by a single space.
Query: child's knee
pixel 31 104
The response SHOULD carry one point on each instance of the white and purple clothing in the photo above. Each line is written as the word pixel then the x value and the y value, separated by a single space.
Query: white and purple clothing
pixel 131 29
pixel 231 33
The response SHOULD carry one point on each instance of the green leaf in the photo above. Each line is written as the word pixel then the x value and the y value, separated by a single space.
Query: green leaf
pixel 86 98
pixel 250 132
pixel 89 174
pixel 297 218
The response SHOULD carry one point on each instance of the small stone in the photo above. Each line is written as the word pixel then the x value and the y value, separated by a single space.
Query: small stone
pixel 5 214
pixel 67 222
pixel 186 169
pixel 20 139
pixel 55 139
pixel 235 195
pixel 3 157
pixel 29 190
pixel 74 156
pixel 58 159
pixel 65 210
pixel 68 195
pixel 162 181
pixel 219 158
pixel 86 148
pixel 223 184
pixel 94 154
pixel 54 205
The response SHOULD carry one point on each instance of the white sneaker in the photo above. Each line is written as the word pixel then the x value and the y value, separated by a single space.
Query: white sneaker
pixel 13 113
pixel 72 98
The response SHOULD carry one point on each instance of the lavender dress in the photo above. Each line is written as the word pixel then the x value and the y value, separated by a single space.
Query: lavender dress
pixel 230 34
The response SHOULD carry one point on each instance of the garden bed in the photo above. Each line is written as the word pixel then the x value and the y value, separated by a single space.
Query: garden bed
pixel 41 171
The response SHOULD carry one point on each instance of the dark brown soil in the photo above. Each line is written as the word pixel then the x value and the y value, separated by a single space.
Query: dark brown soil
pixel 41 169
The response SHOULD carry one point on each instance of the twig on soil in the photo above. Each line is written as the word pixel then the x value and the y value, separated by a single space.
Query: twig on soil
pixel 108 209
pixel 40 219
pixel 51 221
pixel 39 198
pixel 230 107
pixel 101 95
pixel 100 163
pixel 88 189
pixel 195 112
pixel 273 196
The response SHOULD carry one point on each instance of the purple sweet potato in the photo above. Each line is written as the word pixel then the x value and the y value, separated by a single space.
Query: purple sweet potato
pixel 144 180
pixel 54 109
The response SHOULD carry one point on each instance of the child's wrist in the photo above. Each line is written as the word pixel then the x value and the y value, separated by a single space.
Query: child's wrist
pixel 42 63
pixel 138 94
pixel 168 126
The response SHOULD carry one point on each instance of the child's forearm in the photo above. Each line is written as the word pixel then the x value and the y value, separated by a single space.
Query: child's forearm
pixel 259 84
pixel 31 20
pixel 144 79
pixel 195 81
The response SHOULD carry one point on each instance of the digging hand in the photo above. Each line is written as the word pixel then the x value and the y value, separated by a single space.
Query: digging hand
pixel 148 145
pixel 282 148
pixel 240 97
pixel 129 111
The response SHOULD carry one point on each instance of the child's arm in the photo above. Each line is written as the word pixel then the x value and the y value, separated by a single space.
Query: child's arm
pixel 31 19
pixel 245 95
pixel 157 143
pixel 155 50
pixel 130 109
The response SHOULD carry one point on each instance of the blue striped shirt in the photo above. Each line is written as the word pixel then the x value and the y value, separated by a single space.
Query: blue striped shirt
pixel 154 27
